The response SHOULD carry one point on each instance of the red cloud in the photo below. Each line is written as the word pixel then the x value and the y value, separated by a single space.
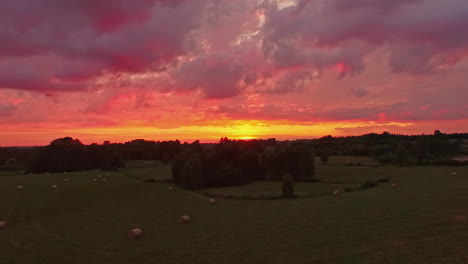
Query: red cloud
pixel 155 61
pixel 84 39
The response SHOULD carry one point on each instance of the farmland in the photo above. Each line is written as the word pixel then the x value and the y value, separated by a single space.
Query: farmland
pixel 424 220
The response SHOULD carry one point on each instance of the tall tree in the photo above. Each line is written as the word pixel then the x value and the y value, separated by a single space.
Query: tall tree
pixel 287 188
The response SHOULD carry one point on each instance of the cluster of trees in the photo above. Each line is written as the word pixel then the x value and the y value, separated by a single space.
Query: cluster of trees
pixel 13 158
pixel 68 154
pixel 233 162
pixel 395 149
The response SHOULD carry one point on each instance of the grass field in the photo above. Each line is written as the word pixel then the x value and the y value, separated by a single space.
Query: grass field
pixel 424 220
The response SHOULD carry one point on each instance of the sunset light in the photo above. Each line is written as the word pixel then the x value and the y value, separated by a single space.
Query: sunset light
pixel 163 71
pixel 233 131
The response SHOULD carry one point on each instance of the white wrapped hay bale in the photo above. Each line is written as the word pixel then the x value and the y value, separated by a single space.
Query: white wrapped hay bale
pixel 185 219
pixel 19 187
pixel 336 192
pixel 170 188
pixel 394 185
pixel 94 180
pixel 65 180
pixel 212 201
pixel 104 179
pixel 64 172
pixel 53 187
pixel 135 233
pixel 2 225
pixel 454 173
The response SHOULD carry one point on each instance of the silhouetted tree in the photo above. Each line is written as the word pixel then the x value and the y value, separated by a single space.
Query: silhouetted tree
pixel 287 187
pixel 324 156
pixel 401 154
pixel 165 158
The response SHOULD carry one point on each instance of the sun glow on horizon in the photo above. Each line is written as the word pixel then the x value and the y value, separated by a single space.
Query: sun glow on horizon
pixel 206 133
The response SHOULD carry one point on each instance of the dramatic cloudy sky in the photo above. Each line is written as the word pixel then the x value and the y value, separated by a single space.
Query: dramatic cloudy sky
pixel 201 69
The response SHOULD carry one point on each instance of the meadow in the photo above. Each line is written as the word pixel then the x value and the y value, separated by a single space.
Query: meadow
pixel 423 220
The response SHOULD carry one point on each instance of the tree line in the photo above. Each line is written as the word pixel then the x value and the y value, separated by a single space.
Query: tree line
pixel 231 162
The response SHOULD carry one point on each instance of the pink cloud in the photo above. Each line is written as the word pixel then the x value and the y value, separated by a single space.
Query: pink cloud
pixel 171 63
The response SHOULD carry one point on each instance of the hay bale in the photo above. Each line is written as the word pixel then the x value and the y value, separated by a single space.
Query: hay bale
pixel 394 185
pixel 65 180
pixel 212 201
pixel 94 180
pixel 99 176
pixel 135 233
pixel 170 188
pixel 336 192
pixel 185 219
pixel 104 179
pixel 53 187
pixel 2 225
pixel 19 187
pixel 454 173
pixel 64 172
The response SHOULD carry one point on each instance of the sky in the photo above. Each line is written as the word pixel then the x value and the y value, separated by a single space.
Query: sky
pixel 202 69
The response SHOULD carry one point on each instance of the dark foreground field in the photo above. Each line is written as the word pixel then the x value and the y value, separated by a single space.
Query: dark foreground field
pixel 424 220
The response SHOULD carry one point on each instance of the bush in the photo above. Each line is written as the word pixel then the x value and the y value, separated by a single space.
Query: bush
pixel 288 187
pixel 446 162
pixel 108 167
pixel 383 180
pixel 324 157
pixel 369 184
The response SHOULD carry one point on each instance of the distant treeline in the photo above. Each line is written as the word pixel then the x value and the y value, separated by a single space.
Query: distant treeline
pixel 435 149
pixel 230 162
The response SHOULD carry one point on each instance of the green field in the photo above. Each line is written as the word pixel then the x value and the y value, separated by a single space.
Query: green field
pixel 424 220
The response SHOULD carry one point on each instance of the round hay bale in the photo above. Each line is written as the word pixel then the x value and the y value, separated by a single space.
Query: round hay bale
pixel 170 188
pixel 2 225
pixel 394 185
pixel 65 180
pixel 454 173
pixel 99 176
pixel 94 180
pixel 185 219
pixel 19 187
pixel 53 187
pixel 212 201
pixel 64 172
pixel 336 192
pixel 135 233
pixel 104 179
pixel 107 174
